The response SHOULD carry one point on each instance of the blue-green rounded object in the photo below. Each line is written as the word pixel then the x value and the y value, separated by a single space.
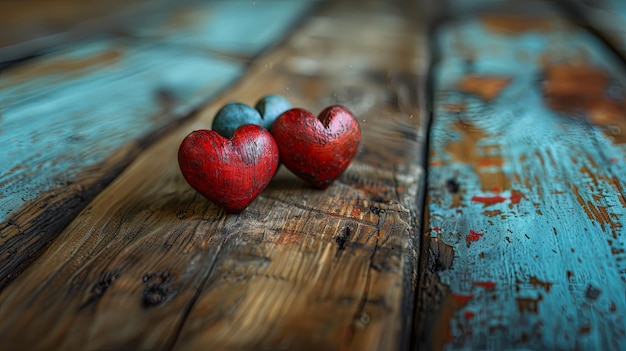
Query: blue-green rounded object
pixel 233 115
pixel 270 107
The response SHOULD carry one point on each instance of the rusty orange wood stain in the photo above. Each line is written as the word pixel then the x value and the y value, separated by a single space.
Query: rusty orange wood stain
pixel 455 107
pixel 465 150
pixel 437 163
pixel 515 24
pixel 528 304
pixel 492 213
pixel 564 92
pixel 468 151
pixel 492 179
pixel 535 282
pixel 563 88
pixel 485 87
pixel 597 213
pixel 616 184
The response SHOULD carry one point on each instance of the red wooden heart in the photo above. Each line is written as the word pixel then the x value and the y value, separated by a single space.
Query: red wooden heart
pixel 318 149
pixel 229 172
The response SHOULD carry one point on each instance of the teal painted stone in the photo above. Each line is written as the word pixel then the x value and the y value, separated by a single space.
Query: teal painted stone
pixel 233 115
pixel 236 114
pixel 270 107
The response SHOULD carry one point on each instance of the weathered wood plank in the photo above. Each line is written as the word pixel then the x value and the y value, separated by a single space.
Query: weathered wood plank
pixel 526 177
pixel 150 264
pixel 70 111
pixel 64 138
pixel 70 121
pixel 237 28
pixel 606 17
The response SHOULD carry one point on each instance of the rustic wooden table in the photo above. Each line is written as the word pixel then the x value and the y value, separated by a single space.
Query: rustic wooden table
pixel 484 209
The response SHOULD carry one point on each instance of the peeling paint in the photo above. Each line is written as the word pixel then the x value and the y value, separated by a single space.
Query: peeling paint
pixel 541 181
pixel 486 87
pixel 564 93
pixel 513 24
pixel 472 237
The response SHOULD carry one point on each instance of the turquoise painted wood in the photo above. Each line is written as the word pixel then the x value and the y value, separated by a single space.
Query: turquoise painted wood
pixel 238 28
pixel 526 189
pixel 70 121
pixel 74 109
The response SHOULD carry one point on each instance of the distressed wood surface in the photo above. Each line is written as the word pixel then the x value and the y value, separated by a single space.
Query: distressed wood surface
pixel 70 121
pixel 606 17
pixel 239 29
pixel 525 189
pixel 150 264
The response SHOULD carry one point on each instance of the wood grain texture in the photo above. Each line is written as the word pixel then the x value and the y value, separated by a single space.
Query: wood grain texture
pixel 72 120
pixel 150 264
pixel 525 190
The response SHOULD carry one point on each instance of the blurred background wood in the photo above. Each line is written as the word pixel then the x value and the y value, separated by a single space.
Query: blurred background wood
pixel 605 18
pixel 30 27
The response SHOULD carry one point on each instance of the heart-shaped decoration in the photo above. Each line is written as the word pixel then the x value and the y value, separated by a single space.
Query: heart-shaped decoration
pixel 229 172
pixel 317 149
pixel 235 114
